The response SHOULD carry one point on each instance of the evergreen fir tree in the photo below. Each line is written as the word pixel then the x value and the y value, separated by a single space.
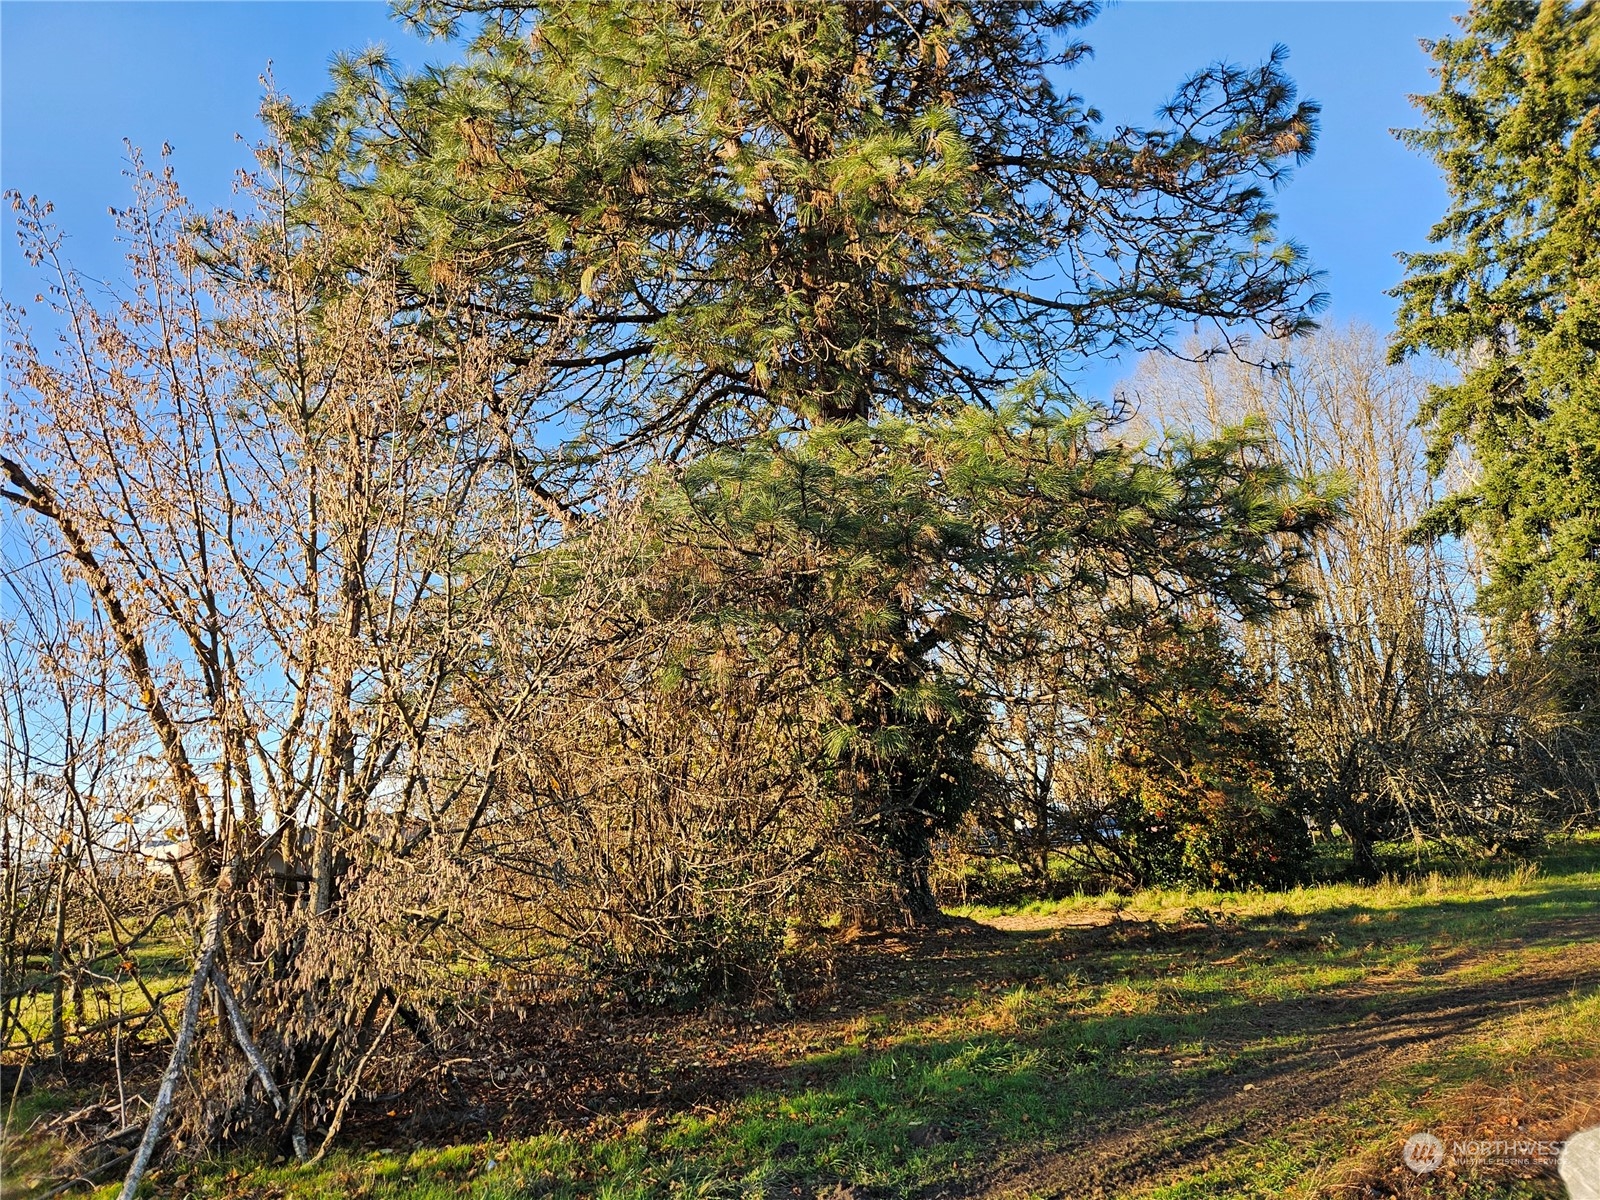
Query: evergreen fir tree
pixel 761 214
pixel 1510 292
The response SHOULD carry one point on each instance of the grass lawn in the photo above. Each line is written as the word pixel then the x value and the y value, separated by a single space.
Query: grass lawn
pixel 1174 1045
pixel 159 972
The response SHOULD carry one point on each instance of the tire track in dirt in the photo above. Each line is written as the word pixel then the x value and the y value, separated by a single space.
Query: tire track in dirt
pixel 1337 1062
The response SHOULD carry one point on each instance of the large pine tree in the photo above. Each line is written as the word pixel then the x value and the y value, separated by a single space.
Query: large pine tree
pixel 1510 292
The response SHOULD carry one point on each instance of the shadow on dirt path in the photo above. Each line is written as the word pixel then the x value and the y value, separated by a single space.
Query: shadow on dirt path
pixel 1350 1039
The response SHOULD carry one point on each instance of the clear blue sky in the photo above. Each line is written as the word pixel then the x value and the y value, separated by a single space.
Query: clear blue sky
pixel 76 78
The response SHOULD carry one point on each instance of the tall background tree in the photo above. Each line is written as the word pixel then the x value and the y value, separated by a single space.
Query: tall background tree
pixel 1401 726
pixel 1510 293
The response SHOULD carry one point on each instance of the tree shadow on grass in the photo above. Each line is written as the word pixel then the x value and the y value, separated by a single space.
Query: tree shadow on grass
pixel 1233 1028
pixel 922 1109
pixel 912 1114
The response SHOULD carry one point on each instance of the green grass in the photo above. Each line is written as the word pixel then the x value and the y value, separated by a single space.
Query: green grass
pixel 160 963
pixel 1113 1024
pixel 1317 1157
pixel 23 1157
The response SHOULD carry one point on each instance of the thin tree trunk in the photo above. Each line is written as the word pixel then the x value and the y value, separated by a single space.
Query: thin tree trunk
pixel 209 943
pixel 241 1034
pixel 247 1045
pixel 355 1081
pixel 39 498
pixel 295 1120
pixel 58 970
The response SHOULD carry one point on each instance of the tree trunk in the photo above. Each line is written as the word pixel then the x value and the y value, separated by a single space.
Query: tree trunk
pixel 1363 859
pixel 209 942
pixel 915 893
pixel 58 969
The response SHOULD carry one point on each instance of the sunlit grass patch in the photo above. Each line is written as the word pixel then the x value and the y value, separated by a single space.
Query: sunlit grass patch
pixel 109 986
pixel 26 1158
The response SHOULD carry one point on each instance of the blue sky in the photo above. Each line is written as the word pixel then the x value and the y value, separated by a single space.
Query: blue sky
pixel 78 77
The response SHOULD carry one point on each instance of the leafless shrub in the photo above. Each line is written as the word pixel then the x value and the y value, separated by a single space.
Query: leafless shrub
pixel 252 586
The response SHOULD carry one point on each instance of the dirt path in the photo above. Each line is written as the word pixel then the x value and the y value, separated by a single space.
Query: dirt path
pixel 1338 1060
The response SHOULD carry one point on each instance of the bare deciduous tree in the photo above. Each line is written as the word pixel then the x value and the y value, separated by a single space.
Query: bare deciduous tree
pixel 1404 719
pixel 266 536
